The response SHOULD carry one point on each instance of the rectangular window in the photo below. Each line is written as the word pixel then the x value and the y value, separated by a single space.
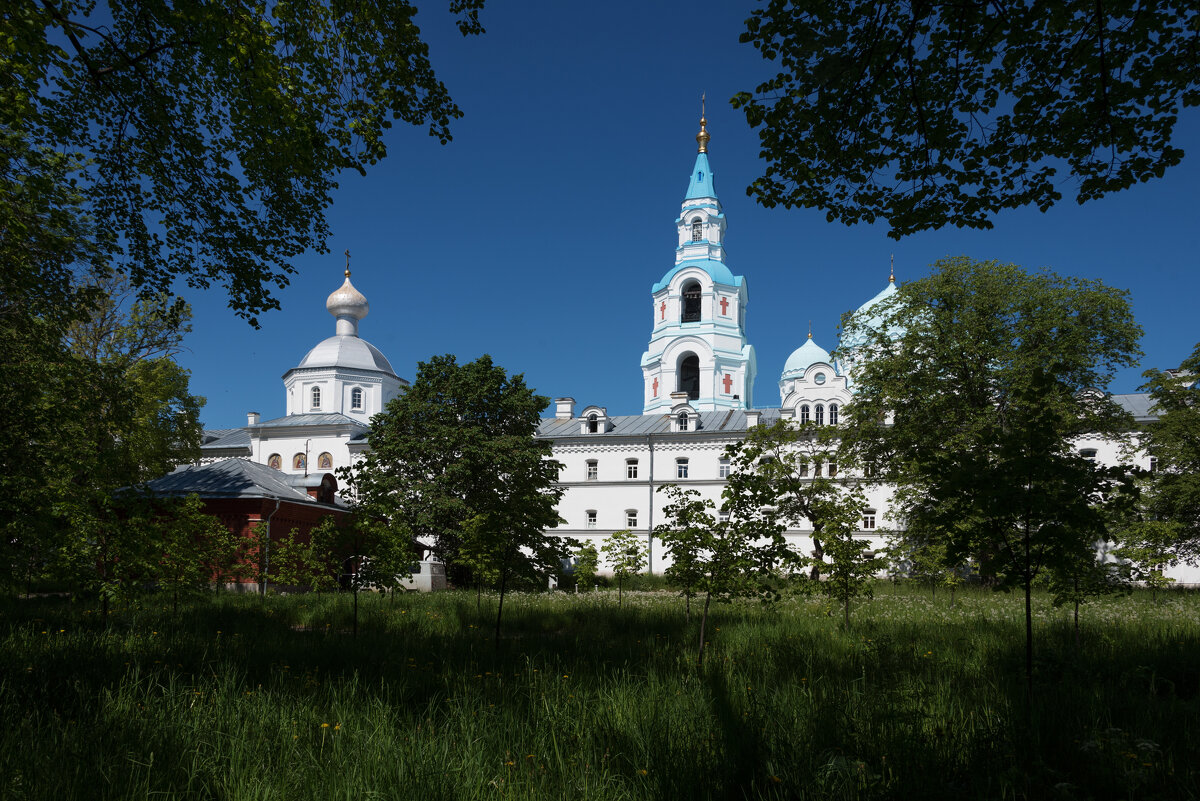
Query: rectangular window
pixel 817 470
pixel 681 468
pixel 631 466
pixel 1153 464
pixel 869 520
pixel 723 516
pixel 631 518
pixel 832 469
pixel 723 469
pixel 804 470
pixel 591 518
pixel 593 470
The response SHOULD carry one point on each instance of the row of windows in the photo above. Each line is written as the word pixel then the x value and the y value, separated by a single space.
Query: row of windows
pixel 300 461
pixel 682 467
pixel 631 518
pixel 817 414
pixel 356 398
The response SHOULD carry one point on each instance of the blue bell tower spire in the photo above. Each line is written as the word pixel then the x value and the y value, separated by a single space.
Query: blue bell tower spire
pixel 698 343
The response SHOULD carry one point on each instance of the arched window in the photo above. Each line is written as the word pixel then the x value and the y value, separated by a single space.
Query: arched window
pixel 275 460
pixel 683 421
pixel 356 398
pixel 819 415
pixel 316 397
pixel 691 302
pixel 697 230
pixel 833 411
pixel 593 423
pixel 804 413
pixel 299 461
pixel 325 461
pixel 689 376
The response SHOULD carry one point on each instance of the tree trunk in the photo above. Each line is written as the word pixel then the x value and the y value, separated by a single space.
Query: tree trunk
pixel 687 599
pixel 620 593
pixel 1028 582
pixel 703 623
pixel 951 596
pixel 500 607
pixel 355 591
pixel 818 556
pixel 846 611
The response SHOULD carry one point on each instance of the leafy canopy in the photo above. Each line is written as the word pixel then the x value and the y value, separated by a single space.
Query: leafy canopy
pixel 200 140
pixel 935 113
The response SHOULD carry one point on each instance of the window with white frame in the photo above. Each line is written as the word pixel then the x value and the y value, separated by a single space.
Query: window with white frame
pixel 1153 464
pixel 681 468
pixel 819 415
pixel 631 468
pixel 723 468
pixel 697 230
pixel 723 515
pixel 804 413
pixel 316 397
pixel 683 421
pixel 593 470
pixel 1089 454
pixel 833 414
pixel 356 398
pixel 593 423
pixel 832 469
pixel 816 469
pixel 868 520
pixel 631 518
pixel 590 518
pixel 803 469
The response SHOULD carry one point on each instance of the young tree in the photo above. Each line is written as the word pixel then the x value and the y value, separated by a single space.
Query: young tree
pixel 971 385
pixel 1148 547
pixel 198 552
pixel 936 113
pixel 626 552
pixel 723 559
pixel 455 461
pixel 587 561
pixel 852 567
pixel 204 141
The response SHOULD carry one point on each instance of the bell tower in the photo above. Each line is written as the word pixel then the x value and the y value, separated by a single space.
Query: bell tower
pixel 698 336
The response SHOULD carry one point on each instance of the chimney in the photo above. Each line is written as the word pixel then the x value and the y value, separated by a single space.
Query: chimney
pixel 678 398
pixel 564 408
pixel 752 417
pixel 252 418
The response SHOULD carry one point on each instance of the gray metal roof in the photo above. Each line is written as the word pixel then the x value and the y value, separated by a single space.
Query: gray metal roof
pixel 1139 405
pixel 225 438
pixel 329 418
pixel 231 478
pixel 639 425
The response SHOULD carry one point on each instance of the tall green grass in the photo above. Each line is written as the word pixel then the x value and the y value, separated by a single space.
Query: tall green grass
pixel 241 698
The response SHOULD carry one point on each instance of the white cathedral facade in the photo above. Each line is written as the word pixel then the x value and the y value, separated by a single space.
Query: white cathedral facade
pixel 698 375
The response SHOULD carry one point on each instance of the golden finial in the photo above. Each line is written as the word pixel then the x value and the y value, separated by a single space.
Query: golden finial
pixel 347 262
pixel 702 137
pixel 810 329
pixel 892 274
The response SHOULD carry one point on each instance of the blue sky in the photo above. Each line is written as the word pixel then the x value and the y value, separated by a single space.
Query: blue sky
pixel 536 234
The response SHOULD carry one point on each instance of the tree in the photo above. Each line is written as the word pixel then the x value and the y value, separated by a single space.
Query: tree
pixel 852 568
pixel 721 558
pixel 625 551
pixel 927 114
pixel 1148 547
pixel 197 140
pixel 454 459
pixel 196 550
pixel 1172 490
pixel 971 385
pixel 587 561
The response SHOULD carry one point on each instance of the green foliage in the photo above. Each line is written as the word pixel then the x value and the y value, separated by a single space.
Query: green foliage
pixel 202 141
pixel 626 553
pixel 304 561
pixel 1172 492
pixel 197 551
pixel 1149 547
pixel 928 114
pixel 587 562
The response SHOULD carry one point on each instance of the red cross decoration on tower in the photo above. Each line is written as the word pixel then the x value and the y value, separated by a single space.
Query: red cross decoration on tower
pixel 728 382
pixel 725 306
pixel 655 385
pixel 662 311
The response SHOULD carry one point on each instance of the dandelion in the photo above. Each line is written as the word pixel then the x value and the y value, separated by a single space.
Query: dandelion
pixel 643 772
pixel 776 779
pixel 324 725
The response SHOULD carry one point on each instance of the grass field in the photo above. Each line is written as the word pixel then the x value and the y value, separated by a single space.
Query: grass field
pixel 236 698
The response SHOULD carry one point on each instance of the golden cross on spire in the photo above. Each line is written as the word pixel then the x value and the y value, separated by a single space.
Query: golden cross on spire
pixel 347 262
pixel 892 274
pixel 810 329
pixel 702 137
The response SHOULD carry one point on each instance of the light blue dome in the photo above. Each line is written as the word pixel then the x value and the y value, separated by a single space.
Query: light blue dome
pixel 867 317
pixel 716 270
pixel 805 356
